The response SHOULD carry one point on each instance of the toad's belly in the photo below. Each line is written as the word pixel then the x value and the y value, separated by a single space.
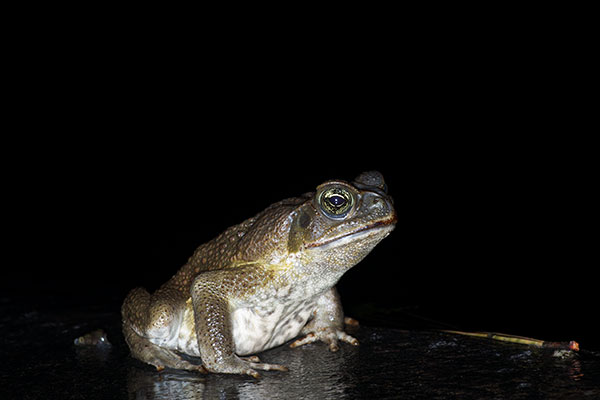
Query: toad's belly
pixel 256 329
pixel 253 329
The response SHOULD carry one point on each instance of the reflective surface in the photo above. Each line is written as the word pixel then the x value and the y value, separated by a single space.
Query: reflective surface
pixel 40 360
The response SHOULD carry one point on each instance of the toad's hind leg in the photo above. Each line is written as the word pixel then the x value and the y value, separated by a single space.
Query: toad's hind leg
pixel 144 319
pixel 161 358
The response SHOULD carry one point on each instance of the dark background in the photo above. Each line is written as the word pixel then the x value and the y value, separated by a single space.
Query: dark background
pixel 127 157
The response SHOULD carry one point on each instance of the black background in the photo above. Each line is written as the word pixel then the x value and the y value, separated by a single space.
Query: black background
pixel 140 158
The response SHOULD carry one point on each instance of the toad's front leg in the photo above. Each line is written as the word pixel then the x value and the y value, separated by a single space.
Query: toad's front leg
pixel 212 318
pixel 327 324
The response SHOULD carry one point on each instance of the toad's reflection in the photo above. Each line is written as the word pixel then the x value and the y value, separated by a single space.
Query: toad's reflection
pixel 313 374
pixel 145 383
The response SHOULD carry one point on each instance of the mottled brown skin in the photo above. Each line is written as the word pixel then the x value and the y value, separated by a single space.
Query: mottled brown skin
pixel 262 282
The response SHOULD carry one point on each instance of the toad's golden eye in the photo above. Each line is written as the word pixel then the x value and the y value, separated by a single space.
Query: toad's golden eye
pixel 336 202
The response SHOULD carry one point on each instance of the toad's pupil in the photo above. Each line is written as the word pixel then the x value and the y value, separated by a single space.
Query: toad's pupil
pixel 337 201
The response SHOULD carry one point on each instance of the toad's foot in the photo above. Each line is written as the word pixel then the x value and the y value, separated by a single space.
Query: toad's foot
pixel 246 366
pixel 254 362
pixel 329 336
pixel 351 323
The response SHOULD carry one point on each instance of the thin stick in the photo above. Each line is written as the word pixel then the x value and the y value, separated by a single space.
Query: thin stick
pixel 572 345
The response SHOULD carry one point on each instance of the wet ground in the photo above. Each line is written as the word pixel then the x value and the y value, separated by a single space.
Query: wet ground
pixel 40 361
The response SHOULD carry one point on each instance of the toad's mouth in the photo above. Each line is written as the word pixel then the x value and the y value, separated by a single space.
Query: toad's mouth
pixel 384 224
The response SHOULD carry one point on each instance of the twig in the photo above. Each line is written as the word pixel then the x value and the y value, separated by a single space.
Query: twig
pixel 572 345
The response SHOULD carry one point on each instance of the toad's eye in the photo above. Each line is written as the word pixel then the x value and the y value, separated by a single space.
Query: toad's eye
pixel 336 202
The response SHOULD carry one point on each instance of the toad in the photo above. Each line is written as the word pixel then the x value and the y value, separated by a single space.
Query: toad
pixel 262 283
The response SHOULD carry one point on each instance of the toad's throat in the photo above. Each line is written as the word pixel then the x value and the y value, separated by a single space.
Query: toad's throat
pixel 375 225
